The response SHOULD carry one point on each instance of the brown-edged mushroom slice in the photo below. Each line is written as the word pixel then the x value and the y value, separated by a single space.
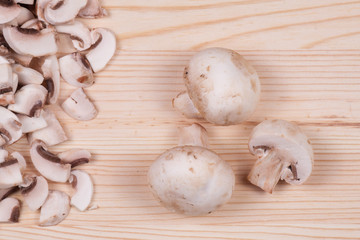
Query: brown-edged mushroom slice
pixel 31 124
pixel 20 158
pixel 6 192
pixel 36 192
pixel 79 106
pixel 9 10
pixel 283 152
pixel 51 72
pixel 183 104
pixel 10 173
pixel 75 157
pixel 39 8
pixel 76 70
pixel 103 50
pixel 9 210
pixel 81 181
pixel 55 209
pixel 51 135
pixel 63 11
pixel 29 100
pixel 27 75
pixel 10 127
pixel 6 85
pixel 48 164
pixel 92 9
pixel 34 24
pixel 30 41
pixel 79 34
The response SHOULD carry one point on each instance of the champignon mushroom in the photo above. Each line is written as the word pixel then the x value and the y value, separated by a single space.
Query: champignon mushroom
pixel 10 127
pixel 55 209
pixel 79 106
pixel 51 135
pixel 51 72
pixel 34 24
pixel 31 124
pixel 6 192
pixel 75 157
pixel 283 152
pixel 48 164
pixel 39 8
pixel 183 104
pixel 92 9
pixel 9 10
pixel 27 75
pixel 36 192
pixel 79 34
pixel 191 179
pixel 31 41
pixel 10 173
pixel 222 86
pixel 103 50
pixel 76 70
pixel 9 210
pixel 24 16
pixel 20 158
pixel 6 84
pixel 62 11
pixel 29 100
pixel 81 181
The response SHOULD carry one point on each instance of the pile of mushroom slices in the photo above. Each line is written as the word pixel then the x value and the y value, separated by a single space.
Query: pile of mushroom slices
pixel 41 42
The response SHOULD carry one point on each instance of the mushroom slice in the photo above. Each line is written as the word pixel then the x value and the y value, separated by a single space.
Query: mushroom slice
pixel 9 10
pixel 51 72
pixel 81 181
pixel 75 157
pixel 10 127
pixel 24 16
pixel 76 70
pixel 63 11
pixel 48 164
pixel 36 192
pixel 27 75
pixel 6 192
pixel 31 124
pixel 92 9
pixel 3 155
pixel 183 104
pixel 9 210
pixel 55 209
pixel 79 106
pixel 30 41
pixel 3 60
pixel 79 34
pixel 29 100
pixel 6 85
pixel 103 50
pixel 26 2
pixel 10 174
pixel 283 152
pixel 34 24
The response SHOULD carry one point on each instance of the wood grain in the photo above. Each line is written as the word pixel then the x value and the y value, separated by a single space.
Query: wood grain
pixel 307 54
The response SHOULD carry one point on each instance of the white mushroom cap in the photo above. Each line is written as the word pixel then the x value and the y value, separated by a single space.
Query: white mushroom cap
pixel 36 192
pixel 82 182
pixel 75 157
pixel 10 127
pixel 103 50
pixel 10 173
pixel 63 11
pixel 51 72
pixel 27 75
pixel 9 10
pixel 191 180
pixel 30 41
pixel 183 104
pixel 283 151
pixel 31 124
pixel 79 106
pixel 223 86
pixel 29 100
pixel 9 210
pixel 55 209
pixel 78 32
pixel 92 9
pixel 76 70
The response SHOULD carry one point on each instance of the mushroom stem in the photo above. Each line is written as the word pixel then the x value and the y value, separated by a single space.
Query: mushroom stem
pixel 267 170
pixel 185 106
pixel 194 135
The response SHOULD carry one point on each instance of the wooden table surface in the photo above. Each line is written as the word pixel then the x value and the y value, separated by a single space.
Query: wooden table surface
pixel 307 53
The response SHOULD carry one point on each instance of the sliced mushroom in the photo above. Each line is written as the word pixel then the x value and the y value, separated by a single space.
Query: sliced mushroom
pixel 29 100
pixel 75 157
pixel 3 60
pixel 53 134
pixel 36 192
pixel 10 127
pixel 9 10
pixel 79 106
pixel 76 70
pixel 6 85
pixel 24 16
pixel 92 9
pixel 27 75
pixel 283 152
pixel 51 73
pixel 6 192
pixel 20 158
pixel 10 173
pixel 103 50
pixel 81 181
pixel 34 24
pixel 63 11
pixel 40 7
pixel 3 155
pixel 55 209
pixel 183 104
pixel 9 210
pixel 26 2
pixel 21 59
pixel 48 164
pixel 78 32
pixel 31 124
pixel 30 41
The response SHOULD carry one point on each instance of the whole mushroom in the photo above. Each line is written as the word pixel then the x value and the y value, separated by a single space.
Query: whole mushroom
pixel 283 151
pixel 191 179
pixel 222 86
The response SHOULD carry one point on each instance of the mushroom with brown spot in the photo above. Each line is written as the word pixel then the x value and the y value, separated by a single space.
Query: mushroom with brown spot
pixel 6 192
pixel 35 192
pixel 62 11
pixel 55 209
pixel 51 72
pixel 10 127
pixel 82 182
pixel 79 34
pixel 79 106
pixel 283 152
pixel 75 157
pixel 9 210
